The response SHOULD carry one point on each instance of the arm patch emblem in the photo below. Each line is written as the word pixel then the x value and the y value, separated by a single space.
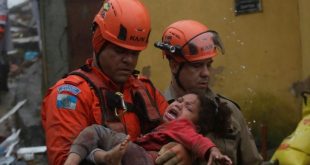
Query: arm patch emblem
pixel 65 101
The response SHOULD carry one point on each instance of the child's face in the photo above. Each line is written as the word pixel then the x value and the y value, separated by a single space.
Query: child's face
pixel 186 107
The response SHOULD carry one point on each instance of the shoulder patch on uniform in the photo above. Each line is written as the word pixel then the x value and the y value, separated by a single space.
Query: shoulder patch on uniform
pixel 69 88
pixel 66 101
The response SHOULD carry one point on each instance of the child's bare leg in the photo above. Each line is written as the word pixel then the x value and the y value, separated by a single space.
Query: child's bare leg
pixel 113 156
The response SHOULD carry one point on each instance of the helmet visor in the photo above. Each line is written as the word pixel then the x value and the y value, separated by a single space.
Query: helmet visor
pixel 202 46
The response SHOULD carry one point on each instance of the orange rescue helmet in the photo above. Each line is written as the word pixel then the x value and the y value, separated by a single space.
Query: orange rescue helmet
pixel 189 41
pixel 125 23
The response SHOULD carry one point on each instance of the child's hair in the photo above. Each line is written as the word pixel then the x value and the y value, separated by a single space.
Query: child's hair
pixel 214 116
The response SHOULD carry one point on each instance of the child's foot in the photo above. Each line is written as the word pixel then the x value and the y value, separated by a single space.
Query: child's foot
pixel 114 156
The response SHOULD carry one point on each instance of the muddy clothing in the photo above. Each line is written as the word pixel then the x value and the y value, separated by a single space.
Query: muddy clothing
pixel 72 104
pixel 182 131
pixel 98 136
pixel 238 144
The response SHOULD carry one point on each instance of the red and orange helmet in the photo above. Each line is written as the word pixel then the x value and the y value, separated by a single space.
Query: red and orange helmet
pixel 125 23
pixel 189 41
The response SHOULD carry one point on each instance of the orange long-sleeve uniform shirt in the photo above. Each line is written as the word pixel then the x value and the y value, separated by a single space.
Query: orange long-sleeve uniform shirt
pixel 71 105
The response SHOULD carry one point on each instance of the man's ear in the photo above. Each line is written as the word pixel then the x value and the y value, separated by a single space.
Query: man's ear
pixel 174 66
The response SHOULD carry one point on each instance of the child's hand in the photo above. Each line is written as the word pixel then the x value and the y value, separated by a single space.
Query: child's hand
pixel 217 156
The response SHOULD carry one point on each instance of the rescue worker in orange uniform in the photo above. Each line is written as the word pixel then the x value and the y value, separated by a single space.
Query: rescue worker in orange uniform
pixel 106 90
pixel 190 48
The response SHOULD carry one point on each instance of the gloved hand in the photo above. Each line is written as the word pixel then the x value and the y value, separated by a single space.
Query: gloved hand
pixel 173 154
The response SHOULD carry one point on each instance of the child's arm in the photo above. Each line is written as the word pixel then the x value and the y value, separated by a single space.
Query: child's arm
pixel 214 155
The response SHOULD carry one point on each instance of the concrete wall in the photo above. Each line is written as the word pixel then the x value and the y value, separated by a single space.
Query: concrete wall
pixel 54 40
pixel 263 56
pixel 304 7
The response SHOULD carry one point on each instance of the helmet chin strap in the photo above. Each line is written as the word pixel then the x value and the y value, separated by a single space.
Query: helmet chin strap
pixel 97 61
pixel 177 75
pixel 98 54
